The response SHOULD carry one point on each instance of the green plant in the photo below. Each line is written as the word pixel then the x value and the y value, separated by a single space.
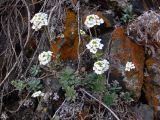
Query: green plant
pixel 19 84
pixel 96 82
pixel 69 80
pixel 34 85
pixel 70 93
pixel 35 69
pixel 114 87
pixel 110 98
pixel 127 13
pixel 31 85
pixel 126 96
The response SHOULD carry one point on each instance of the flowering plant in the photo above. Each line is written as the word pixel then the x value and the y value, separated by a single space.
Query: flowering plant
pixel 45 57
pixel 39 20
pixel 94 44
pixel 101 66
pixel 92 20
pixel 129 66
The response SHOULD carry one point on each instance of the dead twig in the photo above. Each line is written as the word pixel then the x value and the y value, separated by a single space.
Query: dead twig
pixel 29 18
pixel 58 110
pixel 82 90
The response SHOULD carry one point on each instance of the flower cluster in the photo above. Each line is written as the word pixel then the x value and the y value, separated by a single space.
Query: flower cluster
pixel 45 57
pixel 37 94
pixel 94 45
pixel 101 66
pixel 129 66
pixel 39 20
pixel 92 20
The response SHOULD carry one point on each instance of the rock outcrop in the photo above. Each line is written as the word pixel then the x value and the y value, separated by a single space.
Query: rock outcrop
pixel 123 49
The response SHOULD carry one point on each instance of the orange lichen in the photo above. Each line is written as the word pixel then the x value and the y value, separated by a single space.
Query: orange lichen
pixel 67 46
pixel 124 49
pixel 150 62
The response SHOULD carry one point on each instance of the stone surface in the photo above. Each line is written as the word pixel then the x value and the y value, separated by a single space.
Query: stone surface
pixel 152 84
pixel 145 29
pixel 123 49
pixel 143 112
pixel 67 46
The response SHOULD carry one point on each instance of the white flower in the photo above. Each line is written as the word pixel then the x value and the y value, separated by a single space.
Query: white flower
pixel 94 44
pixel 129 66
pixel 45 57
pixel 37 94
pixel 101 66
pixel 56 97
pixel 39 20
pixel 92 20
pixel 82 32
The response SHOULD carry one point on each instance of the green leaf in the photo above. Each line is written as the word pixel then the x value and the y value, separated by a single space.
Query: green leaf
pixel 19 84
pixel 110 98
pixel 35 69
pixel 71 93
pixel 68 78
pixel 34 85
pixel 96 82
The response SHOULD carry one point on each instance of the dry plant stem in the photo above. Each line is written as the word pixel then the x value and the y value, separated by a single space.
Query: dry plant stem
pixel 1 100
pixel 32 58
pixel 7 75
pixel 108 56
pixel 79 37
pixel 100 101
pixel 21 53
pixel 48 36
pixel 58 110
pixel 82 90
pixel 29 18
pixel 49 18
pixel 90 34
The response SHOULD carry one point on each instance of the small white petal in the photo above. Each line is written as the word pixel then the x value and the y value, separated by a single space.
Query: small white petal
pixel 94 51
pixel 88 46
pixel 37 94
pixel 101 46
pixel 101 21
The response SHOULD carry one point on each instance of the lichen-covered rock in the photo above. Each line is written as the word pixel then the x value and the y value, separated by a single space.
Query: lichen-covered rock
pixel 123 49
pixel 67 45
pixel 152 84
pixel 145 29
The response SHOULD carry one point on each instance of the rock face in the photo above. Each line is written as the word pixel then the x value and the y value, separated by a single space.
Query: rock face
pixel 67 45
pixel 145 30
pixel 123 49
pixel 152 85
